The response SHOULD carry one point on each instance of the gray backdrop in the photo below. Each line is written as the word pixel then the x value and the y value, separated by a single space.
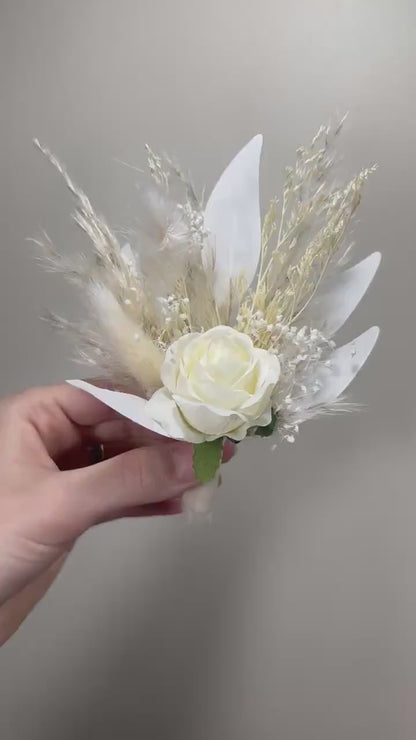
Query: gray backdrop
pixel 294 615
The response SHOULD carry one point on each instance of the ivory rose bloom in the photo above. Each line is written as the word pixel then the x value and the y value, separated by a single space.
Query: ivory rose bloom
pixel 215 384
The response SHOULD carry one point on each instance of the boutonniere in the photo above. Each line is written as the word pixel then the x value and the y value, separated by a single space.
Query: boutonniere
pixel 221 324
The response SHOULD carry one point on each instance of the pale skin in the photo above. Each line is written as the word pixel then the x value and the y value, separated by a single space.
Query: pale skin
pixel 52 491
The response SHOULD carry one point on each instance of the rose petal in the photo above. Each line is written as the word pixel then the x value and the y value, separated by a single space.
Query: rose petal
pixel 162 408
pixel 169 371
pixel 269 373
pixel 265 418
pixel 211 421
pixel 205 389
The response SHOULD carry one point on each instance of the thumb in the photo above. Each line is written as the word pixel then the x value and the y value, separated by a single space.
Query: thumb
pixel 137 477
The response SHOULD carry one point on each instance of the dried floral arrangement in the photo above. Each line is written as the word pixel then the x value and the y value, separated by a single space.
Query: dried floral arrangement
pixel 220 325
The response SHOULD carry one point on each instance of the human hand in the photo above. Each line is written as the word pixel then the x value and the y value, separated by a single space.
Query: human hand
pixel 50 493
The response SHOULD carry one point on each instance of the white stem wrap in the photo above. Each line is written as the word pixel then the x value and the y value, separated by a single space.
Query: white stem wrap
pixel 197 503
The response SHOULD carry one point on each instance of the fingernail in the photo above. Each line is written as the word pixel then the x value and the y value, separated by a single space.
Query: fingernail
pixel 183 460
pixel 229 451
pixel 176 506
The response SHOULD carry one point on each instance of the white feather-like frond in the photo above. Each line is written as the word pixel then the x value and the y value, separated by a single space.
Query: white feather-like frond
pixel 332 377
pixel 232 217
pixel 126 404
pixel 340 295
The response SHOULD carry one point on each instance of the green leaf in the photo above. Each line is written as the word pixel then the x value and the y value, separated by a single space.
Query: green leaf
pixel 268 430
pixel 207 459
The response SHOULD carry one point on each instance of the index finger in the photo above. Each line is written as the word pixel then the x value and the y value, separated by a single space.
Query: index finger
pixel 61 417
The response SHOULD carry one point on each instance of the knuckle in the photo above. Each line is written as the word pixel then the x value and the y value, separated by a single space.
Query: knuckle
pixel 21 405
pixel 12 413
pixel 36 406
pixel 34 397
pixel 25 399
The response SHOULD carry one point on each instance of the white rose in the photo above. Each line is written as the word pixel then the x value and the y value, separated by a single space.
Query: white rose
pixel 215 384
